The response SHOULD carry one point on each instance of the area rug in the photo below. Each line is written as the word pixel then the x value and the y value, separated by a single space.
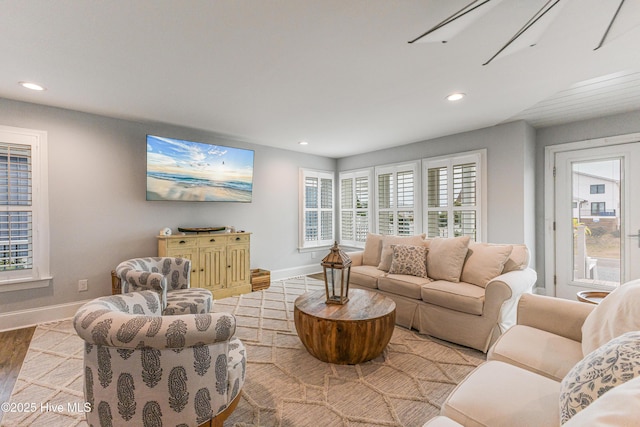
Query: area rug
pixel 285 385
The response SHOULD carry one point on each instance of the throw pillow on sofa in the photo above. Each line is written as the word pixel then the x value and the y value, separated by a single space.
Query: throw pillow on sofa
pixel 446 256
pixel 518 260
pixel 372 249
pixel 484 262
pixel 612 364
pixel 387 250
pixel 409 260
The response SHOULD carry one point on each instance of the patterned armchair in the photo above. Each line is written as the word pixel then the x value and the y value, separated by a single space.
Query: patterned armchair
pixel 146 369
pixel 170 278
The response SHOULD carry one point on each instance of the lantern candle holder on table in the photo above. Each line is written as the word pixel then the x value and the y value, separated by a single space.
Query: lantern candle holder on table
pixel 337 269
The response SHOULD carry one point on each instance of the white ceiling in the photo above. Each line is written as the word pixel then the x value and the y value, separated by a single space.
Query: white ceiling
pixel 339 74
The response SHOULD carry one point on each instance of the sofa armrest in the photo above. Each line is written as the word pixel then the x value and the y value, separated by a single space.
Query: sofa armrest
pixel 519 282
pixel 356 258
pixel 555 315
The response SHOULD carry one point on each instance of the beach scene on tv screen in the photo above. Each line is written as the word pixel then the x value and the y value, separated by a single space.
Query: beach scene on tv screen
pixel 195 171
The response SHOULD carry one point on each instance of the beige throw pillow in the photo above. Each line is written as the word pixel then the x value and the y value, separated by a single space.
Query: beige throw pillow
pixel 618 313
pixel 446 258
pixel 410 260
pixel 387 250
pixel 372 249
pixel 518 260
pixel 484 262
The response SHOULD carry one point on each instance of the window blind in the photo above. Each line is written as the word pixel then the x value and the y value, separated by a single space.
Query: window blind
pixel 16 217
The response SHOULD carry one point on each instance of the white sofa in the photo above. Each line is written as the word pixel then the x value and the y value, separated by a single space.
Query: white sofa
pixel 452 289
pixel 564 363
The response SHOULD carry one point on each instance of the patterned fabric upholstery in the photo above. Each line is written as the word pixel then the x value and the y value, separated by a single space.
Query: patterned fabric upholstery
pixel 143 368
pixel 170 278
pixel 189 301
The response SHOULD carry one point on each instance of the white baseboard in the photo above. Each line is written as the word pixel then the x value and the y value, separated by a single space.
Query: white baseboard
pixel 51 313
pixel 295 271
pixel 33 316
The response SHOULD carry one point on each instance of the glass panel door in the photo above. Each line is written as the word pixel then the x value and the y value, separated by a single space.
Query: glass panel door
pixel 597 218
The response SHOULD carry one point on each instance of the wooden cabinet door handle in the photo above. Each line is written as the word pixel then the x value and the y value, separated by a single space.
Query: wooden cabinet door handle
pixel 182 242
pixel 212 240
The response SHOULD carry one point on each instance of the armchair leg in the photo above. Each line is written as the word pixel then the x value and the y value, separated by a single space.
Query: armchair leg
pixel 218 420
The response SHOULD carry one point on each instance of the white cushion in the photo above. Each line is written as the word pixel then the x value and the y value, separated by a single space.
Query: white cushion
pixel 618 313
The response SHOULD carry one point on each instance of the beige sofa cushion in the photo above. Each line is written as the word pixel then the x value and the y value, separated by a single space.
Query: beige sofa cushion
pixel 446 258
pixel 607 367
pixel 402 284
pixel 484 262
pixel 387 251
pixel 554 356
pixel 613 409
pixel 409 259
pixel 518 259
pixel 461 296
pixel 497 394
pixel 366 275
pixel 618 313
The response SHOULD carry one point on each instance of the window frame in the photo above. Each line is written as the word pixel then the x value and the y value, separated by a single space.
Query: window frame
pixel 354 175
pixel 304 244
pixel 597 187
pixel 39 275
pixel 395 169
pixel 479 157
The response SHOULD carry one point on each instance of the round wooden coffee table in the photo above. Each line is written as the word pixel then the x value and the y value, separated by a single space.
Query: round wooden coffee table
pixel 346 334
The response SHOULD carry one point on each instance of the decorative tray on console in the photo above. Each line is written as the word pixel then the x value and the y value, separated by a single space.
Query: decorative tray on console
pixel 199 230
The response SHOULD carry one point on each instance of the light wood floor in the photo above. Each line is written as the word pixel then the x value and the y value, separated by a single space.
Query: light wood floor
pixel 13 347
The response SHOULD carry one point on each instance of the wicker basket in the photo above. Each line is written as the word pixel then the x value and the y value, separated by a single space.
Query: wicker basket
pixel 260 279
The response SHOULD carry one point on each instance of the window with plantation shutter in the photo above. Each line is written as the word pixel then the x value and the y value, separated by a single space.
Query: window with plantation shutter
pixel 397 208
pixel 24 247
pixel 453 189
pixel 317 210
pixel 355 217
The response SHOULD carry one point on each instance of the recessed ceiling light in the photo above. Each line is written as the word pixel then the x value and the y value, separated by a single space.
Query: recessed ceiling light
pixel 32 86
pixel 456 96
pixel 303 143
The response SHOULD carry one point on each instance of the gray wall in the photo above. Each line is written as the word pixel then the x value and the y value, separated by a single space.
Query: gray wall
pixel 99 215
pixel 510 151
pixel 620 124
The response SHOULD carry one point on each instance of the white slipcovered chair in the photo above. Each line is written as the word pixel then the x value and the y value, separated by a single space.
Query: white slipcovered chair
pixel 145 369
pixel 168 276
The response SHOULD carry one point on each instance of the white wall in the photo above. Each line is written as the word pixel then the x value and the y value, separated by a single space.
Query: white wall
pixel 510 151
pixel 99 215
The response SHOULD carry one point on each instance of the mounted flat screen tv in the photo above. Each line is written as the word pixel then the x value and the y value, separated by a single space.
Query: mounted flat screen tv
pixel 194 171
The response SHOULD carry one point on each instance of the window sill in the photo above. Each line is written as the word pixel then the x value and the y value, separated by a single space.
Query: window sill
pixel 24 283
pixel 314 249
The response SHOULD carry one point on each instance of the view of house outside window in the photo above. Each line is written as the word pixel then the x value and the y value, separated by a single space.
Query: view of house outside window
pixel 596 221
